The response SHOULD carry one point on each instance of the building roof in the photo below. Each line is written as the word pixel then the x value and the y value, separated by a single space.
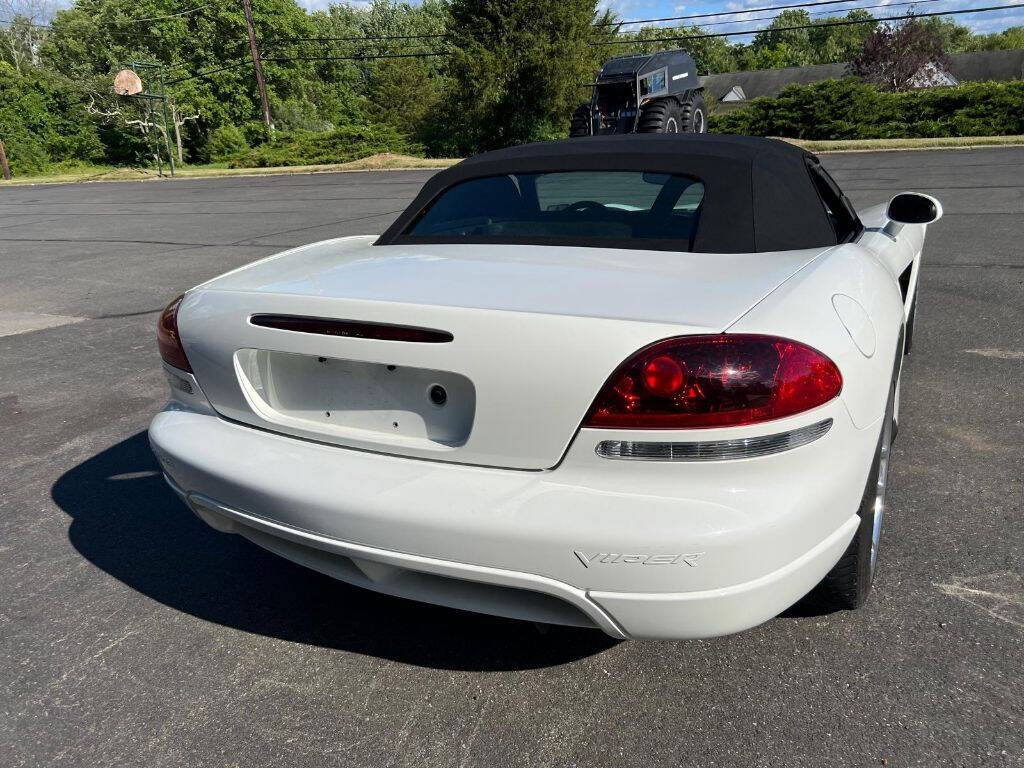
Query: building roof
pixel 767 82
pixel 964 67
pixel 987 65
pixel 759 195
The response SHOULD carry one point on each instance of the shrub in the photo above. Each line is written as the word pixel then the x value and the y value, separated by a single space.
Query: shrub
pixel 255 133
pixel 342 145
pixel 850 109
pixel 226 142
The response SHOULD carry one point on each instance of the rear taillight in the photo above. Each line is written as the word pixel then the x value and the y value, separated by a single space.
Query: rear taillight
pixel 167 337
pixel 714 381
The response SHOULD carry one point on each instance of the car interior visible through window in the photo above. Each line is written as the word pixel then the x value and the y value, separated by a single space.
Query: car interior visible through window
pixel 572 205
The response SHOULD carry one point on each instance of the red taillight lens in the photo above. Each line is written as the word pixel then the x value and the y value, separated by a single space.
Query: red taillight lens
pixel 167 337
pixel 714 381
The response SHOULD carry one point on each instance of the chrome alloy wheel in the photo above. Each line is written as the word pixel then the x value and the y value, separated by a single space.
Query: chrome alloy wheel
pixel 883 476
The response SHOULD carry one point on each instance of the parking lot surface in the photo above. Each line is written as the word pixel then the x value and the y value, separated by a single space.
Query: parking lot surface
pixel 133 635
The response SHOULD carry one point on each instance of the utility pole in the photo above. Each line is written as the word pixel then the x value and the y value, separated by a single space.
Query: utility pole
pixel 3 163
pixel 261 84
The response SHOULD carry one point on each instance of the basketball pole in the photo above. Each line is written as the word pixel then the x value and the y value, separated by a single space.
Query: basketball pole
pixel 167 137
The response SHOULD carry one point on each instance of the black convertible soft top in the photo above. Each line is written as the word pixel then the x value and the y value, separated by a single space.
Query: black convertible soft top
pixel 758 193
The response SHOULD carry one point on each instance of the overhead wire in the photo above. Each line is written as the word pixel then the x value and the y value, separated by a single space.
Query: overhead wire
pixel 807 4
pixel 793 27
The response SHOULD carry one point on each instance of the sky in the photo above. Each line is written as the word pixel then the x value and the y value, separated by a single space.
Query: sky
pixel 650 9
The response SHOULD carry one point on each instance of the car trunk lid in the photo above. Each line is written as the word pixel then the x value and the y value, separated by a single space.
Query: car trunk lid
pixel 534 333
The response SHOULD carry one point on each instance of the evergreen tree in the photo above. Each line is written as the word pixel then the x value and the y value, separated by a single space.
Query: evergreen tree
pixel 519 68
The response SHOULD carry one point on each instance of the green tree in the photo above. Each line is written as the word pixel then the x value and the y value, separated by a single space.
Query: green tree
pixel 205 54
pixel 840 43
pixel 404 93
pixel 711 54
pixel 1010 38
pixel 518 68
pixel 955 37
pixel 42 121
pixel 794 45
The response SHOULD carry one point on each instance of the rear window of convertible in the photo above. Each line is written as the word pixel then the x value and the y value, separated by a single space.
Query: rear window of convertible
pixel 570 207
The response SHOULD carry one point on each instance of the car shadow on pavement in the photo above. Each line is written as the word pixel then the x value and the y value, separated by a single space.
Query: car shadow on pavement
pixel 127 522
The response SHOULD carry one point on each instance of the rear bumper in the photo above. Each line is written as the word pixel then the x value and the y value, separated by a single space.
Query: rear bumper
pixel 648 550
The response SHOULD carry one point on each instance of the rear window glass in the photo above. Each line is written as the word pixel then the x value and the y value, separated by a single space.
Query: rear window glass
pixel 578 207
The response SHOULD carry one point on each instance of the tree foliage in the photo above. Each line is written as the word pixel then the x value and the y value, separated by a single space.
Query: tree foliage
pixel 466 75
pixel 895 57
pixel 519 68
pixel 42 119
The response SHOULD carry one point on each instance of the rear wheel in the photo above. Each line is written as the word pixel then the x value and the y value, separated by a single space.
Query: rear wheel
pixel 580 125
pixel 695 114
pixel 660 116
pixel 847 585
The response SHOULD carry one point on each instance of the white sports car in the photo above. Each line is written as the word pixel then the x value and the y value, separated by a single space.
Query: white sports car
pixel 646 384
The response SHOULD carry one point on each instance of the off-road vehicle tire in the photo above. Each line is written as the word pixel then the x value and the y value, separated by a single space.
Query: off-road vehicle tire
pixel 580 125
pixel 660 116
pixel 695 114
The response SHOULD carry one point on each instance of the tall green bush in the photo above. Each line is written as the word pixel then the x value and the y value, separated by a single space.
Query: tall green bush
pixel 43 121
pixel 226 142
pixel 850 109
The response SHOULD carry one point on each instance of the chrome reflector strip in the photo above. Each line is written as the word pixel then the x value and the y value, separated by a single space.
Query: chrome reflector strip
pixel 713 450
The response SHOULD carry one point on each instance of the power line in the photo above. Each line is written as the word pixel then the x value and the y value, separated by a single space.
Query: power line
pixel 369 37
pixel 358 58
pixel 24 21
pixel 160 18
pixel 819 25
pixel 117 22
pixel 236 65
pixel 812 4
pixel 275 59
pixel 815 13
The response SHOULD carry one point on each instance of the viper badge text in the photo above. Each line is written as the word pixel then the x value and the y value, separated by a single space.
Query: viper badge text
pixel 636 559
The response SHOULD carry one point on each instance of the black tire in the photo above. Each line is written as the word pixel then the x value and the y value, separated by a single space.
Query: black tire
pixel 848 584
pixel 581 124
pixel 695 114
pixel 908 339
pixel 660 116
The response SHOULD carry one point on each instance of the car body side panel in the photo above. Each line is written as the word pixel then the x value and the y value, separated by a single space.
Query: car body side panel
pixel 803 309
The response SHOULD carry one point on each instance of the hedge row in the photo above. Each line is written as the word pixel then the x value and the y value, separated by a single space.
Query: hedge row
pixel 341 145
pixel 849 109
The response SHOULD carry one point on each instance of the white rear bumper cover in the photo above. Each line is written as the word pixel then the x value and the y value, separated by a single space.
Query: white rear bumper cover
pixel 662 551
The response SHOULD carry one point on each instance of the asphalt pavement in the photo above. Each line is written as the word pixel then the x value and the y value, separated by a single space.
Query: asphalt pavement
pixel 133 635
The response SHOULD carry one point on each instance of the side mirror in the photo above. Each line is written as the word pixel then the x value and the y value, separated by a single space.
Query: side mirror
pixel 914 208
pixel 911 208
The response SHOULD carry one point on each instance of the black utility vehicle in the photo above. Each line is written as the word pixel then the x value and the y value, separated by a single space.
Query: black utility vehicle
pixel 644 93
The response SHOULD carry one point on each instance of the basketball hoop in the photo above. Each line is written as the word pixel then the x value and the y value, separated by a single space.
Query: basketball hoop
pixel 127 83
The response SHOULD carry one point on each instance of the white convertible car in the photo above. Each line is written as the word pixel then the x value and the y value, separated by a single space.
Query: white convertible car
pixel 645 383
